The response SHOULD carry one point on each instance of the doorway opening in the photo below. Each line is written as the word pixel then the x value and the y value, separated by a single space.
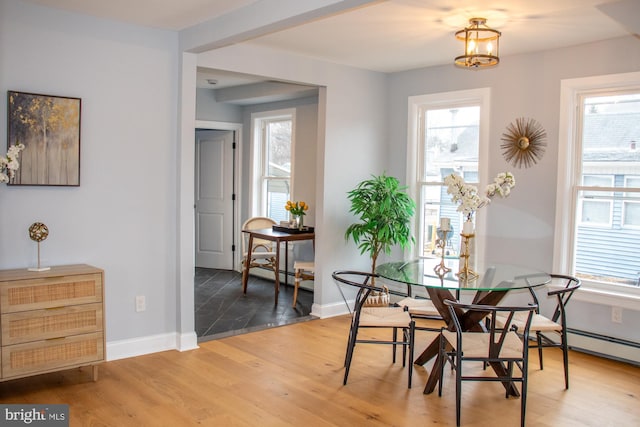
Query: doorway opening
pixel 221 309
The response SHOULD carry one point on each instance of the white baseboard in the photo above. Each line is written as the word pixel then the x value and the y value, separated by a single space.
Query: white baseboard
pixel 329 310
pixel 604 346
pixel 186 342
pixel 151 344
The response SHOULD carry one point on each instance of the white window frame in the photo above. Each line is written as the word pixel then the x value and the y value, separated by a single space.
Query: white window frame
pixel 257 187
pixel 481 97
pixel 569 160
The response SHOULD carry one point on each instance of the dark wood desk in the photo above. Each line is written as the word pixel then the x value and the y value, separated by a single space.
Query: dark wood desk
pixel 493 283
pixel 278 237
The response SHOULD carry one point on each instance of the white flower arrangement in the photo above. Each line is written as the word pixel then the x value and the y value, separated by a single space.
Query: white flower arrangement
pixel 467 196
pixel 9 164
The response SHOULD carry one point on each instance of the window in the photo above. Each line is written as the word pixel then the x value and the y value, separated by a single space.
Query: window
pixel 272 163
pixel 631 209
pixel 598 205
pixel 595 206
pixel 450 135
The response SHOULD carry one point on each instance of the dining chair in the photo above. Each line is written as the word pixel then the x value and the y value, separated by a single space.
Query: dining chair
pixel 263 252
pixel 304 270
pixel 422 309
pixel 389 317
pixel 498 346
pixel 562 288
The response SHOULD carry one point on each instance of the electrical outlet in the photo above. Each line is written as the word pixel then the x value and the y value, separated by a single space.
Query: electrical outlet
pixel 616 314
pixel 141 304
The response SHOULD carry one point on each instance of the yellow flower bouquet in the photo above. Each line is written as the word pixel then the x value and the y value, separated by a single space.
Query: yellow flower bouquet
pixel 297 209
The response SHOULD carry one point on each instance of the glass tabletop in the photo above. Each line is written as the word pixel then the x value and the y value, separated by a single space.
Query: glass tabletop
pixel 491 276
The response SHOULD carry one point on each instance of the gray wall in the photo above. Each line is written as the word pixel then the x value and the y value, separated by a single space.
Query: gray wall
pixel 520 229
pixel 208 109
pixel 306 137
pixel 306 140
pixel 124 217
pixel 352 131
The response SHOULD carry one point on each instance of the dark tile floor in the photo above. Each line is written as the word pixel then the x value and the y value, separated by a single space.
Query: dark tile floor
pixel 222 310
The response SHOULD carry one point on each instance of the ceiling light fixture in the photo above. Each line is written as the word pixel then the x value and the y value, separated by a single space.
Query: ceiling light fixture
pixel 480 45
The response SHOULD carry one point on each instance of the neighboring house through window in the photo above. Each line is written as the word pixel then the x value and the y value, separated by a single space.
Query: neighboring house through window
pixel 272 163
pixel 598 204
pixel 448 133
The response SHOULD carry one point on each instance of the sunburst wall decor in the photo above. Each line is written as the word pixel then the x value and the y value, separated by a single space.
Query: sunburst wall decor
pixel 524 142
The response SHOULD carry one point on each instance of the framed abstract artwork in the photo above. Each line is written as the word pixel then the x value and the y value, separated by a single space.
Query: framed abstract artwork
pixel 49 128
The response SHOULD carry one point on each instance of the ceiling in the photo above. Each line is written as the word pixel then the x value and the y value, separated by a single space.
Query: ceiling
pixel 391 35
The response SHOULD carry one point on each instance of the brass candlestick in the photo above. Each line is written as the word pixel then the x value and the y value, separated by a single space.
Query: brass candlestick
pixel 441 243
pixel 465 272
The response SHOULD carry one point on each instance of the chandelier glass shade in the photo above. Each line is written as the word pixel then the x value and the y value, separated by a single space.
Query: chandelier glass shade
pixel 481 45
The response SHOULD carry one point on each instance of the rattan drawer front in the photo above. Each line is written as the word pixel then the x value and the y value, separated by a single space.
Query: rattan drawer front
pixel 50 355
pixel 23 295
pixel 52 323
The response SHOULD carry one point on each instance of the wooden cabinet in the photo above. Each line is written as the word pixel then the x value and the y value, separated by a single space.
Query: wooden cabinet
pixel 51 320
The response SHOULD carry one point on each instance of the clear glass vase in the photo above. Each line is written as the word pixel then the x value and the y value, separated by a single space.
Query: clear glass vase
pixel 298 222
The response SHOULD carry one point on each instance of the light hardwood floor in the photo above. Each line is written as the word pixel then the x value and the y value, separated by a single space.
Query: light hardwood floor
pixel 292 376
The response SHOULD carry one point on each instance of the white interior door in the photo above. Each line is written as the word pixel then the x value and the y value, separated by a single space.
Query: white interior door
pixel 214 199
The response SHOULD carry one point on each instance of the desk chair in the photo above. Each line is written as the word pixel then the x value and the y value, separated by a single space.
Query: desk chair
pixel 304 270
pixel 263 253
pixel 375 317
pixel 557 323
pixel 498 346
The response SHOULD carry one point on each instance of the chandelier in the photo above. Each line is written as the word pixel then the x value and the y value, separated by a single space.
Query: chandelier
pixel 480 45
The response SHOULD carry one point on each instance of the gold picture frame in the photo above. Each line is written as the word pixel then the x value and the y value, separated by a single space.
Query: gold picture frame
pixel 524 142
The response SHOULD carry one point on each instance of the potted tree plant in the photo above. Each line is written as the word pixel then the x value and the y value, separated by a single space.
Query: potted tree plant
pixel 385 210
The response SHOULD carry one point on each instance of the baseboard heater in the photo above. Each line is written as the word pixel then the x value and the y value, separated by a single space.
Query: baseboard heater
pixel 604 346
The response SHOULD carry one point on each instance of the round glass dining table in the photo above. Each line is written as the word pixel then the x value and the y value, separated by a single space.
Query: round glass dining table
pixel 491 276
pixel 490 284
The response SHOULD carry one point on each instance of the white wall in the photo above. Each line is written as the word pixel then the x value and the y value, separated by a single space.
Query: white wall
pixel 122 218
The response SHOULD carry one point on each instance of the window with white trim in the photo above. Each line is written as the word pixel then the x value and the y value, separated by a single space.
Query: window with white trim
pixel 448 133
pixel 598 203
pixel 272 163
